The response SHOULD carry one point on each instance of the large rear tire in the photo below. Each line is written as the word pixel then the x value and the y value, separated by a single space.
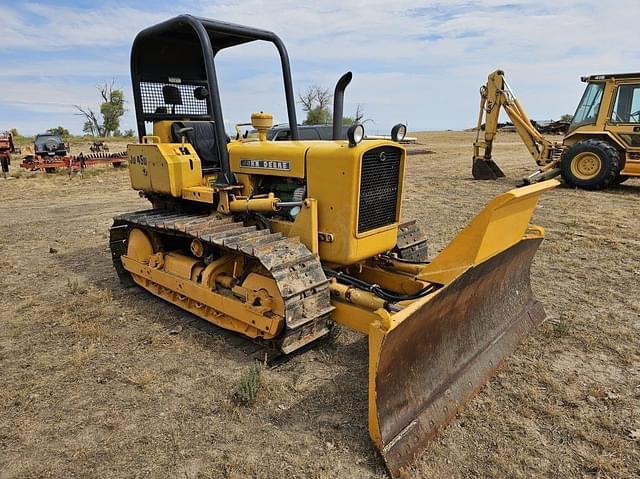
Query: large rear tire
pixel 590 164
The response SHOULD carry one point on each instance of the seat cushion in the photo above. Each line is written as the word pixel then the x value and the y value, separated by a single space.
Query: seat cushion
pixel 202 138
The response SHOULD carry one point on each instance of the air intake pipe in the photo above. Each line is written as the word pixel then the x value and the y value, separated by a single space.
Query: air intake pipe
pixel 338 104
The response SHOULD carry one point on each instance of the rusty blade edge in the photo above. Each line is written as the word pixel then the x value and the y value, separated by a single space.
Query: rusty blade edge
pixel 477 373
pixel 447 398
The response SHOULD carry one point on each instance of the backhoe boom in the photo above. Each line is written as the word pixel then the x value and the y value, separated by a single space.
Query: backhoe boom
pixel 494 95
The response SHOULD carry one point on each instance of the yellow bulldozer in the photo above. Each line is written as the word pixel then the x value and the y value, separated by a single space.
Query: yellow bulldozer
pixel 281 240
pixel 600 149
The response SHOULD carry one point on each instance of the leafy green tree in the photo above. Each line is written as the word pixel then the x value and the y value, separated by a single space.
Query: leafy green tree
pixel 129 133
pixel 89 128
pixel 566 117
pixel 111 111
pixel 318 116
pixel 60 131
pixel 315 102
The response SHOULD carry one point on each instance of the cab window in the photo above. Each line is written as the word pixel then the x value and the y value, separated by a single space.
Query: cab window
pixel 626 108
pixel 589 105
pixel 282 135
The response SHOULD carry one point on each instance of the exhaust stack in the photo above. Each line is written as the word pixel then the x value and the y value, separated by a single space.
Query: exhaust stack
pixel 338 104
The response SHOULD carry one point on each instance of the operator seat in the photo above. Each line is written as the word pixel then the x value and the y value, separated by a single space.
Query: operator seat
pixel 203 140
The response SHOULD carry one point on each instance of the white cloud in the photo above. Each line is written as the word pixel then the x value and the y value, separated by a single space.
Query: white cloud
pixel 52 67
pixel 49 27
pixel 420 62
pixel 47 102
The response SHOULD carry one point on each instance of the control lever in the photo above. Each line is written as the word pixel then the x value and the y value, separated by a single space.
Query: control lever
pixel 183 131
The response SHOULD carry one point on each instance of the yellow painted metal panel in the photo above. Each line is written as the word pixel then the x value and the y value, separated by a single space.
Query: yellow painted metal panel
pixel 631 168
pixel 164 167
pixel 305 226
pixel 277 158
pixel 333 178
pixel 203 194
pixel 244 320
pixel 500 225
pixel 352 316
pixel 162 129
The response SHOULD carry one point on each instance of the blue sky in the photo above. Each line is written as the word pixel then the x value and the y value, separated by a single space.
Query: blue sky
pixel 416 62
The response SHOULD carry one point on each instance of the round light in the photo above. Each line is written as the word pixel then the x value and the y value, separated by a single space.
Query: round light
pixel 201 93
pixel 398 132
pixel 355 134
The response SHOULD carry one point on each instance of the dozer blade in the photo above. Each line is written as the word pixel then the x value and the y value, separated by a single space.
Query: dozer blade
pixel 427 360
pixel 483 169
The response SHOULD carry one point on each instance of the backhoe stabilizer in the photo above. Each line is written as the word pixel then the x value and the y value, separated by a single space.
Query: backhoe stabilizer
pixel 428 360
pixel 545 173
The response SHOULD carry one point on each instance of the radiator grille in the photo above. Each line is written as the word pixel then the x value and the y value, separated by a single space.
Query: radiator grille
pixel 379 187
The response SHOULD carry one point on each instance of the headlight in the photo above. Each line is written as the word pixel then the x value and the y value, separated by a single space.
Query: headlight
pixel 398 132
pixel 355 134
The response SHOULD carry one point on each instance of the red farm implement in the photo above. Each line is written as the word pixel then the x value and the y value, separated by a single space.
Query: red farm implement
pixel 72 162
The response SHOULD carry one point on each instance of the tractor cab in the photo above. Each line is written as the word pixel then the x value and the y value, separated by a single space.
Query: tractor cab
pixel 602 146
pixel 175 86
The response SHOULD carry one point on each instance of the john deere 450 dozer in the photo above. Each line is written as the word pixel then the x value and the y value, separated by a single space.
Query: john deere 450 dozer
pixel 280 240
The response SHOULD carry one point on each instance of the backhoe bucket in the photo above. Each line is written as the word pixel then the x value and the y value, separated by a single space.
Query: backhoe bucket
pixel 483 169
pixel 429 359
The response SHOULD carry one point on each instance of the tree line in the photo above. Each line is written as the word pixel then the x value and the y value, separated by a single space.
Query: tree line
pixel 102 123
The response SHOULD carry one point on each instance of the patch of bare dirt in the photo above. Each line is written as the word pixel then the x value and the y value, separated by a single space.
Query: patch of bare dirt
pixel 100 381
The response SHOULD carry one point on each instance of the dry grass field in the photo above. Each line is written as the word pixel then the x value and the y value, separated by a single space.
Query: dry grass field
pixel 100 381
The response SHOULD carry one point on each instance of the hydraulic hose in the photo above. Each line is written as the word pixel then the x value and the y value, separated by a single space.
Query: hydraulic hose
pixel 387 295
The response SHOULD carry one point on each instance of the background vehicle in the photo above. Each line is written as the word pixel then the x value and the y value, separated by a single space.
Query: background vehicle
pixel 48 144
pixel 282 132
pixel 306 132
pixel 279 240
pixel 601 147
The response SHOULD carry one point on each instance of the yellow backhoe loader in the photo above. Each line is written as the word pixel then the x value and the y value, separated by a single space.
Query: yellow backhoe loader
pixel 601 148
pixel 279 241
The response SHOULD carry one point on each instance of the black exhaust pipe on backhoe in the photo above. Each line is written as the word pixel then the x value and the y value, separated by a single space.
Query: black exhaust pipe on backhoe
pixel 338 105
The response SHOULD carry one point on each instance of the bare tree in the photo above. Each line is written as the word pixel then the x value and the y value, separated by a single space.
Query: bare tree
pixel 323 97
pixel 111 110
pixel 315 101
pixel 315 97
pixel 105 89
pixel 92 125
pixel 307 99
pixel 358 117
